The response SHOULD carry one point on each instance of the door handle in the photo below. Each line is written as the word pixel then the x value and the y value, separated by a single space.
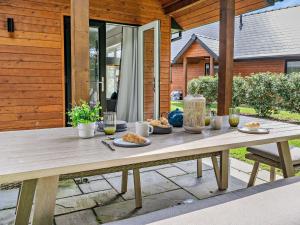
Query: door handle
pixel 102 82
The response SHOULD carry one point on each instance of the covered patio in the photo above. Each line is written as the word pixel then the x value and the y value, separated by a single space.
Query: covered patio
pixel 100 184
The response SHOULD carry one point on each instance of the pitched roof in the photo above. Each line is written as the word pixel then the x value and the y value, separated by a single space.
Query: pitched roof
pixel 273 33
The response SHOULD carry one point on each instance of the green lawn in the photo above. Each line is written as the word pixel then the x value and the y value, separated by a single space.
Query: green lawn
pixel 240 152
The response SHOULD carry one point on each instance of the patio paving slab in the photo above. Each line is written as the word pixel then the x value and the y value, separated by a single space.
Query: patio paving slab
pixel 151 182
pixel 205 186
pixel 8 198
pixel 91 178
pixel 85 217
pixel 97 185
pixel 244 176
pixel 191 166
pixel 152 168
pixel 7 217
pixel 150 203
pixel 171 171
pixel 86 201
pixel 67 188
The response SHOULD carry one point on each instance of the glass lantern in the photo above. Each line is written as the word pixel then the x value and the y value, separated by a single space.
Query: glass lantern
pixel 194 113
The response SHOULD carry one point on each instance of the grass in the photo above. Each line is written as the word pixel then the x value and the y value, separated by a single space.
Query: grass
pixel 239 153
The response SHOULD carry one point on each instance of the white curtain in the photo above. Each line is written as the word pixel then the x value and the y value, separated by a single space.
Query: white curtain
pixel 128 96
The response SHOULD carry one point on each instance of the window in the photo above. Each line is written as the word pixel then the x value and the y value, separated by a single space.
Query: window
pixel 207 69
pixel 292 66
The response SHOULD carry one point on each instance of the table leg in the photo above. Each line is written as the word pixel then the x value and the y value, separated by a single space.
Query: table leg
pixel 137 188
pixel 216 169
pixel 124 181
pixel 286 159
pixel 25 202
pixel 45 198
pixel 199 167
pixel 224 163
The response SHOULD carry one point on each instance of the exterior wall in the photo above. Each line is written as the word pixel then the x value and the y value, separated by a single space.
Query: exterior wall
pixel 255 66
pixel 195 70
pixel 195 67
pixel 32 58
pixel 244 68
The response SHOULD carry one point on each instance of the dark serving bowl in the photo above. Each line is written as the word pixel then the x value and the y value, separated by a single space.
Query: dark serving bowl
pixel 162 130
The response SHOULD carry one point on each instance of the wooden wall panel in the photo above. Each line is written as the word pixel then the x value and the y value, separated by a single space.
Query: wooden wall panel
pixel 31 59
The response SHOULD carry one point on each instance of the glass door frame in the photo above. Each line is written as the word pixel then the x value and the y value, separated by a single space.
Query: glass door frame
pixel 155 25
pixel 67 61
pixel 102 59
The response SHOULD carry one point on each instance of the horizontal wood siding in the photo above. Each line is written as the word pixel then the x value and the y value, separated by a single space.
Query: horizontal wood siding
pixel 31 59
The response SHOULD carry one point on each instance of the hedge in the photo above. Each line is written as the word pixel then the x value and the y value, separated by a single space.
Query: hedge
pixel 265 92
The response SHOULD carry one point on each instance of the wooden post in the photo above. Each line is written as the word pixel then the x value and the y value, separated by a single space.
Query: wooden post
pixel 226 45
pixel 80 50
pixel 185 64
pixel 211 66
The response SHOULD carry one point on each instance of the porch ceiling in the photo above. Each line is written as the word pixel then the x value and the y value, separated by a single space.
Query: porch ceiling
pixel 193 13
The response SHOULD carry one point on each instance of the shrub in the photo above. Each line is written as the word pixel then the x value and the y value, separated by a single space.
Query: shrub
pixel 206 86
pixel 262 93
pixel 289 92
pixel 265 92
pixel 239 92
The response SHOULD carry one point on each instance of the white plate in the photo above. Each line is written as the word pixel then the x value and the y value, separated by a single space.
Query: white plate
pixel 121 143
pixel 253 131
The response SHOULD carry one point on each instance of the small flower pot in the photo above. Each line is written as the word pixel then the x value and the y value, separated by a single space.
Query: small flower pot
pixel 86 130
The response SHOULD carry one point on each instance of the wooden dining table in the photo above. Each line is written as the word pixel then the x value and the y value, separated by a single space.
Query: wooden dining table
pixel 39 157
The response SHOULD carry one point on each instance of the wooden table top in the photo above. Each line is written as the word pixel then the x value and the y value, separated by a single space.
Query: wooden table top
pixel 46 152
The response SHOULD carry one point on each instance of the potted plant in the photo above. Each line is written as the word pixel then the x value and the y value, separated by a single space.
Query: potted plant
pixel 84 117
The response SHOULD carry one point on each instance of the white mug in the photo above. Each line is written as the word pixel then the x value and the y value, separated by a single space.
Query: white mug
pixel 143 128
pixel 217 122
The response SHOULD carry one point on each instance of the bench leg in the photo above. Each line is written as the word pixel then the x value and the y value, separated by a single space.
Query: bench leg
pixel 124 181
pixel 285 159
pixel 45 198
pixel 216 169
pixel 137 188
pixel 272 174
pixel 253 174
pixel 199 168
pixel 25 201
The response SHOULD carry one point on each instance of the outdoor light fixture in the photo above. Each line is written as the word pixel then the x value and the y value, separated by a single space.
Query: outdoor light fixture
pixel 10 25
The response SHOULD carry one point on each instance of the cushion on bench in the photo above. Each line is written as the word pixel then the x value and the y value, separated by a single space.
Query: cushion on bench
pixel 270 151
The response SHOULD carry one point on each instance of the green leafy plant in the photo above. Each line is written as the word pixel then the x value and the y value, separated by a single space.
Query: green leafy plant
pixel 206 86
pixel 84 113
pixel 289 92
pixel 262 93
pixel 239 91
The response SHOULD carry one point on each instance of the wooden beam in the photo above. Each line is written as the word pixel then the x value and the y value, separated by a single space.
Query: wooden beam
pixel 227 10
pixel 211 66
pixel 80 50
pixel 180 5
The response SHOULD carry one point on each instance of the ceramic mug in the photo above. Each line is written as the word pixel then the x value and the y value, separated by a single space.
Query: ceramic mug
pixel 143 128
pixel 216 122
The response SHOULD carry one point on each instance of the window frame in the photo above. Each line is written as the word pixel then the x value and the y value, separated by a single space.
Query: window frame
pixel 286 63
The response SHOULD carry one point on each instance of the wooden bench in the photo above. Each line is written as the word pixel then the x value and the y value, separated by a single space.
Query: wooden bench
pixel 275 203
pixel 269 154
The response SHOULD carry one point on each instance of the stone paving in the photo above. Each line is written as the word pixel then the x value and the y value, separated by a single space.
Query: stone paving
pixel 98 200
